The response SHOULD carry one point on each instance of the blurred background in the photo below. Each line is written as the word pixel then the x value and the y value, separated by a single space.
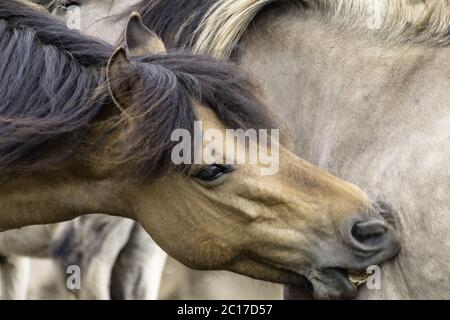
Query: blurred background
pixel 178 282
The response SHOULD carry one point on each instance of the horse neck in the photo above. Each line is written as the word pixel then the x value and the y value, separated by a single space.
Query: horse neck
pixel 50 197
pixel 376 115
pixel 344 90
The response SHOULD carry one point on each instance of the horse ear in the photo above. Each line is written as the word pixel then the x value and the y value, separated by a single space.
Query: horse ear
pixel 118 66
pixel 140 40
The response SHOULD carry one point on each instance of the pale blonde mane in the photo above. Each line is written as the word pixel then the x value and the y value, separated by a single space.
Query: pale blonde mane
pixel 419 21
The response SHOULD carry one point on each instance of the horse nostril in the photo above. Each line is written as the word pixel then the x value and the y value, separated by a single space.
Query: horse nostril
pixel 372 236
pixel 369 235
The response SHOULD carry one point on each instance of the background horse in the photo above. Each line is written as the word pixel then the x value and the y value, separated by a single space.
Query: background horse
pixel 363 86
pixel 87 142
pixel 107 249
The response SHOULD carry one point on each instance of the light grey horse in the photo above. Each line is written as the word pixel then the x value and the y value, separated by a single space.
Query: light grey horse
pixel 364 87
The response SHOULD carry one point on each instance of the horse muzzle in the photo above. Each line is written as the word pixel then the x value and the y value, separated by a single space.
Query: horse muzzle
pixel 369 240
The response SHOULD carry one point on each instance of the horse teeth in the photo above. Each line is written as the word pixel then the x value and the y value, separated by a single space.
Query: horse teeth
pixel 358 277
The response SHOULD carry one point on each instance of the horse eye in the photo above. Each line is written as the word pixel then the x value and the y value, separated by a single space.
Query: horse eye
pixel 213 172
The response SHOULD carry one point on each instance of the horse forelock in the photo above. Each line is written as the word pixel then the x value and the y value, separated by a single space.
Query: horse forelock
pixel 216 26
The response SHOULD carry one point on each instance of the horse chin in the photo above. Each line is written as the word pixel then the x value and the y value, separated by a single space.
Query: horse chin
pixel 331 283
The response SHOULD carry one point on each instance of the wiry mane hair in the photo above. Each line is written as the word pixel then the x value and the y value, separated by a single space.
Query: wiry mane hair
pixel 54 98
pixel 47 77
pixel 216 26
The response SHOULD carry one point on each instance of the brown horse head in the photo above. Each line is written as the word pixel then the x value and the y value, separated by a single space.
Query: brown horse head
pixel 299 222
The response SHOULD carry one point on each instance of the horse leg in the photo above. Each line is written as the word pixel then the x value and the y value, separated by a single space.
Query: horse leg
pixel 14 278
pixel 138 270
pixel 92 243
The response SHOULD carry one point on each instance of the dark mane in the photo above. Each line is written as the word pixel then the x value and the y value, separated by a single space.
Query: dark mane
pixel 48 74
pixel 54 96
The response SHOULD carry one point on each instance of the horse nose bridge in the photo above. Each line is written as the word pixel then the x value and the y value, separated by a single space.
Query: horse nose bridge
pixel 335 197
pixel 316 180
